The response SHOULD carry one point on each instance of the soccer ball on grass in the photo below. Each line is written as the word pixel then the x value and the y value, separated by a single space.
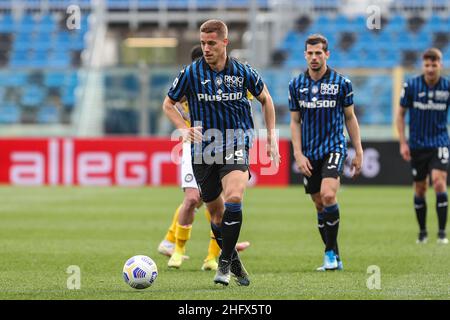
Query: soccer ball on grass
pixel 140 272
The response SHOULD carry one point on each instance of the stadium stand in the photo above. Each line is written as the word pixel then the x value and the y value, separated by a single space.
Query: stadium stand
pixel 399 42
pixel 39 57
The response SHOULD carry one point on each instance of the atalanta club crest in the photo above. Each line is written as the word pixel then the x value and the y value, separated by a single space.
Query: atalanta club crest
pixel 219 81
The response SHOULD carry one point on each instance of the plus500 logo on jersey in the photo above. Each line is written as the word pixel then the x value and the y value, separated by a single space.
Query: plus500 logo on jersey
pixel 318 104
pixel 226 96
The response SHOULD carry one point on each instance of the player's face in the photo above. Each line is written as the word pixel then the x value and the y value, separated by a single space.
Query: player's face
pixel 315 56
pixel 431 69
pixel 213 47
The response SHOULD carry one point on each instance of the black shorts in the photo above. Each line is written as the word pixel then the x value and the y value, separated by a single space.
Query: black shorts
pixel 425 160
pixel 331 166
pixel 209 176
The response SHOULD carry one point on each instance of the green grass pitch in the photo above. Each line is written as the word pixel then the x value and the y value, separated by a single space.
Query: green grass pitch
pixel 45 230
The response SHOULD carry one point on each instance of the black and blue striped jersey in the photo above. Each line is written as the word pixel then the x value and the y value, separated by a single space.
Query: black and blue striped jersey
pixel 428 109
pixel 219 101
pixel 321 105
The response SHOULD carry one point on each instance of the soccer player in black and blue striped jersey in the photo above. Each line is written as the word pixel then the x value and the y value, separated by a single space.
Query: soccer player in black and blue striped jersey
pixel 320 101
pixel 215 87
pixel 427 98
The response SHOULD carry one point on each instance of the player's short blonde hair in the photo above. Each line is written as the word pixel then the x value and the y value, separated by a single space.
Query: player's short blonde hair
pixel 216 26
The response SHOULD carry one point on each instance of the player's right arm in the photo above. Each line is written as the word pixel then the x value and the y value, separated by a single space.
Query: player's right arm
pixel 302 162
pixel 188 133
pixel 400 122
pixel 171 110
pixel 296 133
pixel 176 93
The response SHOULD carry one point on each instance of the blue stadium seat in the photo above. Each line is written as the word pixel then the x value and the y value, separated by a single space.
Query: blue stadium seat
pixel 406 41
pixel 68 97
pixel 436 24
pixel 396 25
pixel 322 19
pixel 387 38
pixel 289 41
pixel 27 24
pixel 41 34
pixel 61 40
pixel 420 41
pixel 76 44
pixel 71 79
pixel 23 35
pixel 48 24
pixel 118 4
pixel 446 56
pixel 54 79
pixel 22 45
pixel 13 79
pixel 397 20
pixel 9 113
pixel 335 58
pixel 38 59
pixel 41 45
pixel 47 114
pixel 293 62
pixel 33 96
pixel 7 23
pixel 389 57
pixel 324 29
pixel 207 4
pixel 19 59
pixel 342 23
pixel 59 59
pixel 359 24
pixel 376 103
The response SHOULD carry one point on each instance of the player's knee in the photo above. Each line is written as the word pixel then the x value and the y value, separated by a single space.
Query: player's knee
pixel 216 211
pixel 192 201
pixel 234 198
pixel 199 203
pixel 421 190
pixel 328 197
pixel 216 219
pixel 439 185
pixel 319 205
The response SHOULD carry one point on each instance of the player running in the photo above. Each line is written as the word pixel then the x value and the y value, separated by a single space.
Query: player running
pixel 216 88
pixel 174 243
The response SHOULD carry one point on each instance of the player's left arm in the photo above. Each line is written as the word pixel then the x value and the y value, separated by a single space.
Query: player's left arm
pixel 353 130
pixel 268 110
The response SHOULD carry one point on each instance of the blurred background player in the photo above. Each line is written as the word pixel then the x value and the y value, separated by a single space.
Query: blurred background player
pixel 427 99
pixel 174 243
pixel 320 99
